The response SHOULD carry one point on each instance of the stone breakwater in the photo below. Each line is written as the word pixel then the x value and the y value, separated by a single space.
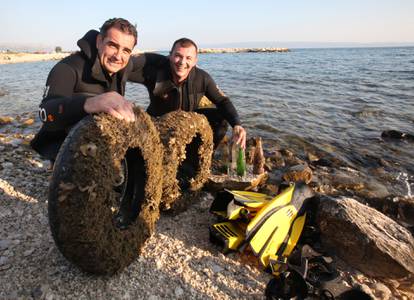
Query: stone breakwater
pixel 242 50
pixel 178 261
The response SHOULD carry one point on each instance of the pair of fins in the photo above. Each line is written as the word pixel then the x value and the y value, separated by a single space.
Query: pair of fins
pixel 270 226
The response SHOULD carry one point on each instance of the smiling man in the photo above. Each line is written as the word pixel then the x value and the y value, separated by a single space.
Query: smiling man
pixel 91 80
pixel 174 82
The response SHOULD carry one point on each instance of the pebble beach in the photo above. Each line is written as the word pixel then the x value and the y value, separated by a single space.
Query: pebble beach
pixel 177 262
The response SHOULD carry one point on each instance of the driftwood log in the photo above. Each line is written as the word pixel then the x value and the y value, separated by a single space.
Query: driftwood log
pixel 365 238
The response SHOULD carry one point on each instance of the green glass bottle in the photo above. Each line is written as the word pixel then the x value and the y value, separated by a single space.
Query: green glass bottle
pixel 241 162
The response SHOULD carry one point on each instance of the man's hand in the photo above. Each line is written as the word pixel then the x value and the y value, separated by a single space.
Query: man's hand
pixel 239 136
pixel 111 103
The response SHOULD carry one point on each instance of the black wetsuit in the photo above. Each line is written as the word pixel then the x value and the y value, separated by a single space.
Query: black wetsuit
pixel 154 71
pixel 70 82
pixel 80 76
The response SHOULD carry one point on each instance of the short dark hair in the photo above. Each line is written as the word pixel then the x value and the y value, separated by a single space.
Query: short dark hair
pixel 184 42
pixel 122 24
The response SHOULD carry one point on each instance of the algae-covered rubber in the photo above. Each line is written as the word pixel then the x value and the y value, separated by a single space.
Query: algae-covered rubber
pixel 105 191
pixel 188 147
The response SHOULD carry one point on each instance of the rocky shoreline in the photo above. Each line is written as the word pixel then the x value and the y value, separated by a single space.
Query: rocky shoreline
pixel 21 57
pixel 178 261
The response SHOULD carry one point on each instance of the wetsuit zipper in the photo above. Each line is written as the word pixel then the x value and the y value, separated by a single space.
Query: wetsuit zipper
pixel 180 98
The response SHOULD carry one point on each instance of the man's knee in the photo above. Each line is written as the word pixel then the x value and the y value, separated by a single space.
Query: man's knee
pixel 217 122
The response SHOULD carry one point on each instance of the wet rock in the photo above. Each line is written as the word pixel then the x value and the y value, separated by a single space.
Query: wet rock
pixel 219 182
pixel 298 173
pixel 323 162
pixel 28 122
pixel 342 180
pixel 290 158
pixel 277 160
pixel 312 157
pixel 374 189
pixel 406 210
pixel 270 189
pixel 6 120
pixel 397 135
pixel 365 238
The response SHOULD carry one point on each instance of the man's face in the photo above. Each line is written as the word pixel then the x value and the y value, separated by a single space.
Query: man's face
pixel 182 60
pixel 114 49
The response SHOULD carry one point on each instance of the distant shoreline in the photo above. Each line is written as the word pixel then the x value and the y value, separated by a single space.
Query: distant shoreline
pixel 242 50
pixel 20 57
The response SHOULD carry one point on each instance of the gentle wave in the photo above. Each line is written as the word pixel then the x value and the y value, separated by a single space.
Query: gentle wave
pixel 333 100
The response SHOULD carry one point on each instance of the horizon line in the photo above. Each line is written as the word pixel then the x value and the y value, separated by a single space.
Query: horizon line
pixel 32 47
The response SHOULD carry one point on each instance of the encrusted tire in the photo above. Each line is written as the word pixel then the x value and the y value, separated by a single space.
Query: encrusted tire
pixel 105 191
pixel 188 146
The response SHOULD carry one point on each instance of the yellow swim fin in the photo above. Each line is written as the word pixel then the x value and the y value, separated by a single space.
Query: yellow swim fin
pixel 277 260
pixel 250 199
pixel 230 235
pixel 233 205
pixel 276 228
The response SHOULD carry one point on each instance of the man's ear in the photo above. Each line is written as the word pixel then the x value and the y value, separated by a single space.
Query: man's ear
pixel 98 40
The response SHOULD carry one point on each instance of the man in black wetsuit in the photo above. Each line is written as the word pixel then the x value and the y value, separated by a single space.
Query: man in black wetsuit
pixel 175 83
pixel 89 81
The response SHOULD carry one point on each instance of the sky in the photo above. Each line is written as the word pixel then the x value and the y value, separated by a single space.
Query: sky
pixel 212 23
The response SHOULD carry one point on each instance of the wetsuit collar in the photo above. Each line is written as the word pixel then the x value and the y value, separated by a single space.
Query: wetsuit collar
pixel 87 44
pixel 164 82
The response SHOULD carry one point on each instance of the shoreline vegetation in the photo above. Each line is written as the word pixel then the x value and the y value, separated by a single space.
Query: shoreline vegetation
pixel 20 57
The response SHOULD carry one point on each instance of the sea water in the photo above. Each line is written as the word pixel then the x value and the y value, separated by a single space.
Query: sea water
pixel 335 101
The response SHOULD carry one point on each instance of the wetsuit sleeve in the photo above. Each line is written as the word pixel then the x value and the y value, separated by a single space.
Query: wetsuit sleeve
pixel 222 102
pixel 144 65
pixel 60 108
pixel 137 73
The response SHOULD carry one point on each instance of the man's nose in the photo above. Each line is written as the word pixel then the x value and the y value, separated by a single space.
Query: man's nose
pixel 118 54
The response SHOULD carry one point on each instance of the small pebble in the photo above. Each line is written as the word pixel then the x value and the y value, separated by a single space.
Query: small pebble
pixel 4 244
pixel 178 292
pixel 216 268
pixel 28 252
pixel 7 165
pixel 3 260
